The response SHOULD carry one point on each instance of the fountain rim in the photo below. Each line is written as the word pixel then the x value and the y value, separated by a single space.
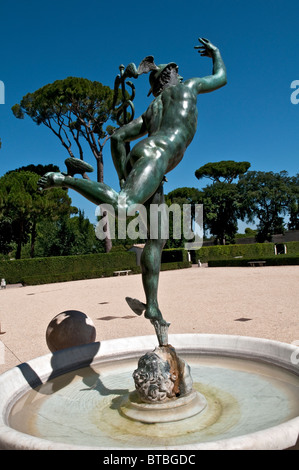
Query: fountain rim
pixel 17 381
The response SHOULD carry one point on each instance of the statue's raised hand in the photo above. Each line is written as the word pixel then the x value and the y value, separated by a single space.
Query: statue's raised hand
pixel 206 48
pixel 50 180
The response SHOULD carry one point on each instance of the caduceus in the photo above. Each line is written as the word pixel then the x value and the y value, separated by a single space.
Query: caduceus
pixel 123 116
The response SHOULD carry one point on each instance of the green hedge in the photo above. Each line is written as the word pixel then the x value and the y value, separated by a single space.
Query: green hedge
pixel 292 248
pixel 179 265
pixel 250 251
pixel 174 255
pixel 65 268
pixel 174 258
pixel 71 268
pixel 278 260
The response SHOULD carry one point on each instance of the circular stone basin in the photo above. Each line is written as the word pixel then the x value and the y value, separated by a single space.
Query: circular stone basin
pixel 75 398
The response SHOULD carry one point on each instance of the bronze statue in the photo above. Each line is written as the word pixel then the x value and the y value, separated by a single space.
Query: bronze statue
pixel 168 127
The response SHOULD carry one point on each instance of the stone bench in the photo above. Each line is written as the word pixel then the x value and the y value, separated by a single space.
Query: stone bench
pixel 120 273
pixel 256 263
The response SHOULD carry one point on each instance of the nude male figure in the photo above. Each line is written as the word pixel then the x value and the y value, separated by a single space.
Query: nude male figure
pixel 170 124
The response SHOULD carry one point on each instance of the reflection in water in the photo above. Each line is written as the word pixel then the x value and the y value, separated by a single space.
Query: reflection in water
pixel 83 407
pixel 55 382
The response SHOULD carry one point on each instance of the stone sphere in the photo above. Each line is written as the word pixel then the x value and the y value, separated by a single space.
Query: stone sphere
pixel 70 328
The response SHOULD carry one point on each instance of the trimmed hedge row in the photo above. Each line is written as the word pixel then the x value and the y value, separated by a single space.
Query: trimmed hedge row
pixel 292 248
pixel 278 260
pixel 174 255
pixel 71 268
pixel 174 258
pixel 250 251
pixel 178 265
pixel 65 268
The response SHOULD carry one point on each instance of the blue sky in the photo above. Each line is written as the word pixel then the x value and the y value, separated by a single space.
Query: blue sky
pixel 251 119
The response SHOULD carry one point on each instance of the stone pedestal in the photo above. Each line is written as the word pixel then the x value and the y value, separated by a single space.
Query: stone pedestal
pixel 174 409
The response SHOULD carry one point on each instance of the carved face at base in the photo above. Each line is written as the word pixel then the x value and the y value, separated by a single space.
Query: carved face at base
pixel 153 379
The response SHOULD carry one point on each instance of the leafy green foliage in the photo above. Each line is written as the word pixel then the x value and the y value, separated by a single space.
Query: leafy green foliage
pixel 72 102
pixel 181 196
pixel 73 109
pixel 38 169
pixel 22 207
pixel 226 169
pixel 221 204
pixel 6 238
pixel 221 199
pixel 265 196
pixel 293 203
pixel 67 236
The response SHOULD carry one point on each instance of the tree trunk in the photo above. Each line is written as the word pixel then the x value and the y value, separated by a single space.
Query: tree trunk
pixel 19 239
pixel 33 238
pixel 100 179
pixel 19 248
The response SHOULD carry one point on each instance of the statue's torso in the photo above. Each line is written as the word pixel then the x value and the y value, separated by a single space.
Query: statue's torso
pixel 173 110
pixel 171 121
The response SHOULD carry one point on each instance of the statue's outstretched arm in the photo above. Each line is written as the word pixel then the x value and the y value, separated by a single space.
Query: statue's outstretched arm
pixel 218 77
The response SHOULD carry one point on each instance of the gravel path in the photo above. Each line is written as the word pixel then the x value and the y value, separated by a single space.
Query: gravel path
pixel 261 302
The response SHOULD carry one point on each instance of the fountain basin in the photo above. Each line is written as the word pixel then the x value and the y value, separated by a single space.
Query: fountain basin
pixel 72 399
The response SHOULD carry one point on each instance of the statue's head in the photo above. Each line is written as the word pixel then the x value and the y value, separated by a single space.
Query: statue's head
pixel 161 76
pixel 165 75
